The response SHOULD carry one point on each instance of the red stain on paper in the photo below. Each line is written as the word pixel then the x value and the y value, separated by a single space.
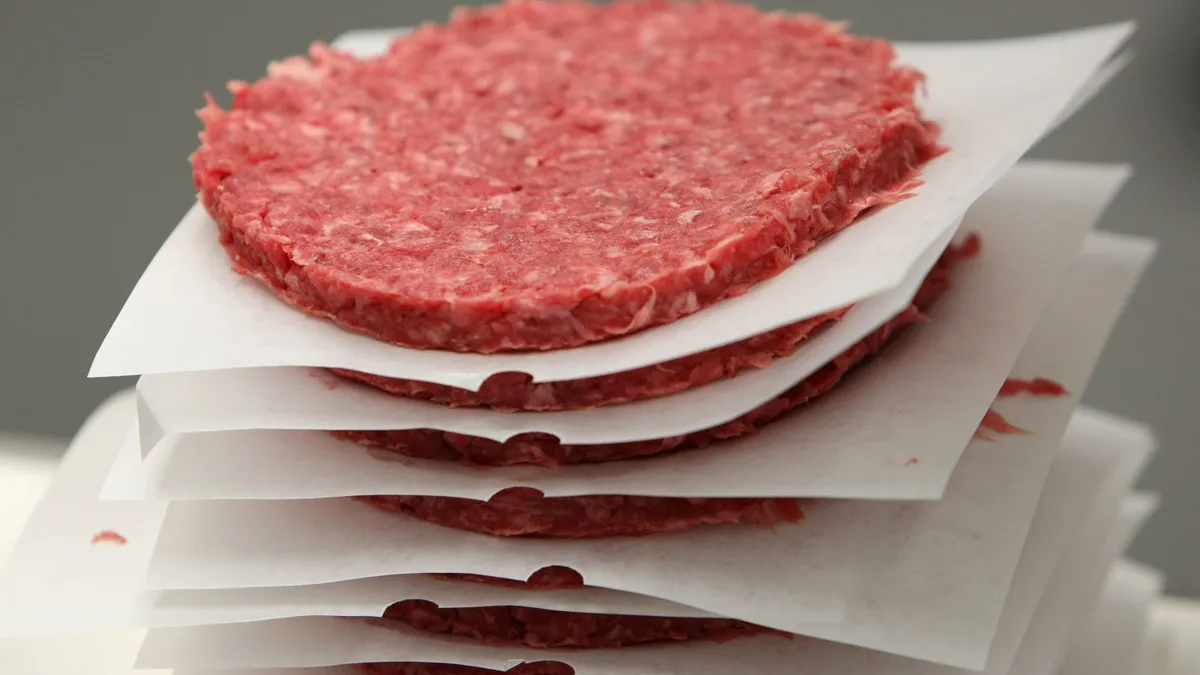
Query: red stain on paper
pixel 913 461
pixel 968 249
pixel 109 537
pixel 995 422
pixel 1038 386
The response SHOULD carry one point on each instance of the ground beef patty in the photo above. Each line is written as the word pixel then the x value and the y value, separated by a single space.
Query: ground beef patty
pixel 513 392
pixel 541 175
pixel 544 628
pixel 546 450
pixel 521 512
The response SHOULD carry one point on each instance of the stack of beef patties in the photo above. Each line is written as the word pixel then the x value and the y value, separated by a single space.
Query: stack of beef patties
pixel 563 327
pixel 544 177
pixel 535 178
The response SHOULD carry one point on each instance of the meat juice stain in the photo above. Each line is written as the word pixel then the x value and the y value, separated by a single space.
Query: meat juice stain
pixel 109 537
pixel 913 461
pixel 995 422
pixel 969 248
pixel 1039 386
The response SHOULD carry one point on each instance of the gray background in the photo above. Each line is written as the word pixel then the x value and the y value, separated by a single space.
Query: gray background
pixel 97 123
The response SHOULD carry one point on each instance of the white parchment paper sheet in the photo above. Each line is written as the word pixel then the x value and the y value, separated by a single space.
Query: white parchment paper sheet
pixel 765 656
pixel 1113 637
pixel 942 377
pixel 899 618
pixel 57 582
pixel 994 100
pixel 317 641
pixel 930 579
pixel 1120 450
pixel 1074 590
pixel 1095 440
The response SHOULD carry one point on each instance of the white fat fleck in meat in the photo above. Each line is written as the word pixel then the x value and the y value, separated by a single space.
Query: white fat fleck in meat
pixel 502 202
pixel 578 154
pixel 620 117
pixel 642 220
pixel 613 252
pixel 642 318
pixel 346 117
pixel 395 179
pixel 778 215
pixel 687 304
pixel 470 233
pixel 531 276
pixel 512 131
pixel 312 130
pixel 709 274
pixel 648 35
pixel 366 236
pixel 543 395
pixel 767 186
pixel 476 245
pixel 673 176
pixel 688 217
pixel 411 227
pixel 533 162
pixel 287 187
pixel 733 239
pixel 506 86
pixel 800 205
pixel 252 124
pixel 296 68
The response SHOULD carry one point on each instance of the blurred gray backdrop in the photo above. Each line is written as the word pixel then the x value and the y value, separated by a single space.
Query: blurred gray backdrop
pixel 96 124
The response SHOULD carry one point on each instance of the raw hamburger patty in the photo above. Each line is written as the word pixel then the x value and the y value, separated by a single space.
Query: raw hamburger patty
pixel 543 628
pixel 541 175
pixel 546 450
pixel 514 392
pixel 516 513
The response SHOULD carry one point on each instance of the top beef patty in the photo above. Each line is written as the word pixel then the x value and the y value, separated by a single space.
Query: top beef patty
pixel 540 175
